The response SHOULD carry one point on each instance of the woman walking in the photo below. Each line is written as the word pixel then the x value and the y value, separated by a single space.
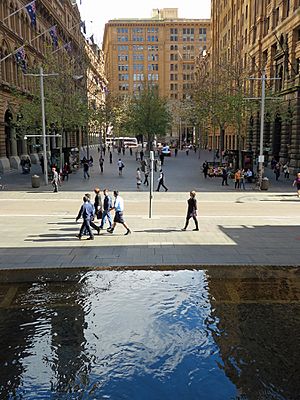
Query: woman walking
pixel 191 211
pixel 237 179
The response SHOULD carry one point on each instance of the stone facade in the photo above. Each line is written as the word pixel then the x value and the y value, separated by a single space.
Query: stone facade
pixel 15 32
pixel 264 35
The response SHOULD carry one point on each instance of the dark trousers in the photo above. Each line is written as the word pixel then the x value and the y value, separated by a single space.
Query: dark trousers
pixel 188 217
pixel 101 168
pixel 87 225
pixel 161 183
pixel 146 182
pixel 224 181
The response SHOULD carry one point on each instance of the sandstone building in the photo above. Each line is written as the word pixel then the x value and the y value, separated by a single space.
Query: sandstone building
pixel 263 34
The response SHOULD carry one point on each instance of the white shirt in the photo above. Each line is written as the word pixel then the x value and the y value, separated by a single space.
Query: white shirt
pixel 119 204
pixel 120 163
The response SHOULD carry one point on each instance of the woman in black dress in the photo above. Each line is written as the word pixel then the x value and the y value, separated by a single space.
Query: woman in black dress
pixel 192 211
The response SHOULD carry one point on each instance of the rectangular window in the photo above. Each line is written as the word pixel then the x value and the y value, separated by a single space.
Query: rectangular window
pixel 138 77
pixel 122 48
pixel 137 30
pixel 123 57
pixel 123 67
pixel 138 57
pixel 152 57
pixel 152 67
pixel 122 38
pixel 122 30
pixel 124 87
pixel 174 57
pixel 123 77
pixel 138 67
pixel 136 38
pixel 153 47
pixel 152 38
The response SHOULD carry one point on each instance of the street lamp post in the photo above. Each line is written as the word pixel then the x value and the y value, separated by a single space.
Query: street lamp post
pixel 151 182
pixel 41 75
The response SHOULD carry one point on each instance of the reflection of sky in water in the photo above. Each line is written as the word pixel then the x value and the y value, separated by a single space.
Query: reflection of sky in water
pixel 153 333
pixel 148 335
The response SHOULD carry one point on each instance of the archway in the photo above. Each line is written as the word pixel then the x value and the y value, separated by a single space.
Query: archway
pixel 8 134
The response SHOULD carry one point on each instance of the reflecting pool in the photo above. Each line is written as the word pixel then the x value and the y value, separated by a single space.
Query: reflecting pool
pixel 219 333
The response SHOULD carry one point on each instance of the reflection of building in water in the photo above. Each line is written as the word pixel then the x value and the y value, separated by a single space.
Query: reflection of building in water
pixel 69 361
pixel 17 331
pixel 258 329
pixel 26 313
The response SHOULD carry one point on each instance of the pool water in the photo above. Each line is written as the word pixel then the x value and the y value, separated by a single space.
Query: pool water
pixel 221 333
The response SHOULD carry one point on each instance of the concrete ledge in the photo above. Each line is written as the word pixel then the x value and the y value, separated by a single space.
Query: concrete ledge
pixel 4 165
pixel 14 162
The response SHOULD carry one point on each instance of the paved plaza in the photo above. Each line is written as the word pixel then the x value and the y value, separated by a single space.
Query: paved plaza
pixel 244 227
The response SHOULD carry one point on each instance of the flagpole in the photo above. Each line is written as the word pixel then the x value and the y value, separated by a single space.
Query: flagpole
pixel 11 54
pixel 16 12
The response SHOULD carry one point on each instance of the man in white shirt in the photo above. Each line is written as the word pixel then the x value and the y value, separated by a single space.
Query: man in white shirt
pixel 119 218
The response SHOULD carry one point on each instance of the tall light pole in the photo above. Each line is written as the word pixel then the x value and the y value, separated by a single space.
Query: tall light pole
pixel 262 123
pixel 41 75
pixel 263 80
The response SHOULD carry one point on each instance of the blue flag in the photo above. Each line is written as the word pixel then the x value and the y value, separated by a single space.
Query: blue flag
pixel 53 34
pixel 31 12
pixel 20 56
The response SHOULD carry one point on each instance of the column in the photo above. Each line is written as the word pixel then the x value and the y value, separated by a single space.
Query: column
pixel 14 159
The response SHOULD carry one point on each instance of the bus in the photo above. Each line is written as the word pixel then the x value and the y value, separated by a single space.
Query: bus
pixel 122 141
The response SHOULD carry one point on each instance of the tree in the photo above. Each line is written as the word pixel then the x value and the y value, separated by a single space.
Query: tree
pixel 149 114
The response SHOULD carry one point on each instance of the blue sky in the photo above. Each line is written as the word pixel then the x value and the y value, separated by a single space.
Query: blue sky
pixel 97 12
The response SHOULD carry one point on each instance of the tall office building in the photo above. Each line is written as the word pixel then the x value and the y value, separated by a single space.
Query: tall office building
pixel 158 50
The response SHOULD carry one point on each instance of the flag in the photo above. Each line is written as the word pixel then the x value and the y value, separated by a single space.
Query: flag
pixel 92 39
pixel 20 56
pixel 82 25
pixel 31 12
pixel 53 34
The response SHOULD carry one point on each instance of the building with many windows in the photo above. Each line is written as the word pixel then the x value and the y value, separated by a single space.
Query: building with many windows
pixel 262 35
pixel 160 50
pixel 17 30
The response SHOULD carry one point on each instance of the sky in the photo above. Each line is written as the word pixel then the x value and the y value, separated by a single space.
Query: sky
pixel 97 12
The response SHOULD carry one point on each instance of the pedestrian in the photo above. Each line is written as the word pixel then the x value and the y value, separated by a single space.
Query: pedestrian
pixel 142 155
pixel 91 161
pixel 286 171
pixel 205 168
pixel 107 205
pixel 249 175
pixel 191 211
pixel 162 158
pixel 176 151
pixel 103 150
pixel 42 164
pixel 242 180
pixel 119 217
pixel 55 179
pixel 277 171
pixel 146 175
pixel 224 176
pixel 86 168
pixel 161 181
pixel 130 150
pixel 123 150
pixel 110 157
pixel 86 212
pixel 297 183
pixel 119 150
pixel 101 163
pixel 65 171
pixel 195 149
pixel 98 203
pixel 120 166
pixel 237 179
pixel 138 178
pixel 187 150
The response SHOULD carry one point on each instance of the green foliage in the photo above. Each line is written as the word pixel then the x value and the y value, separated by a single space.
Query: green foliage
pixel 149 114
